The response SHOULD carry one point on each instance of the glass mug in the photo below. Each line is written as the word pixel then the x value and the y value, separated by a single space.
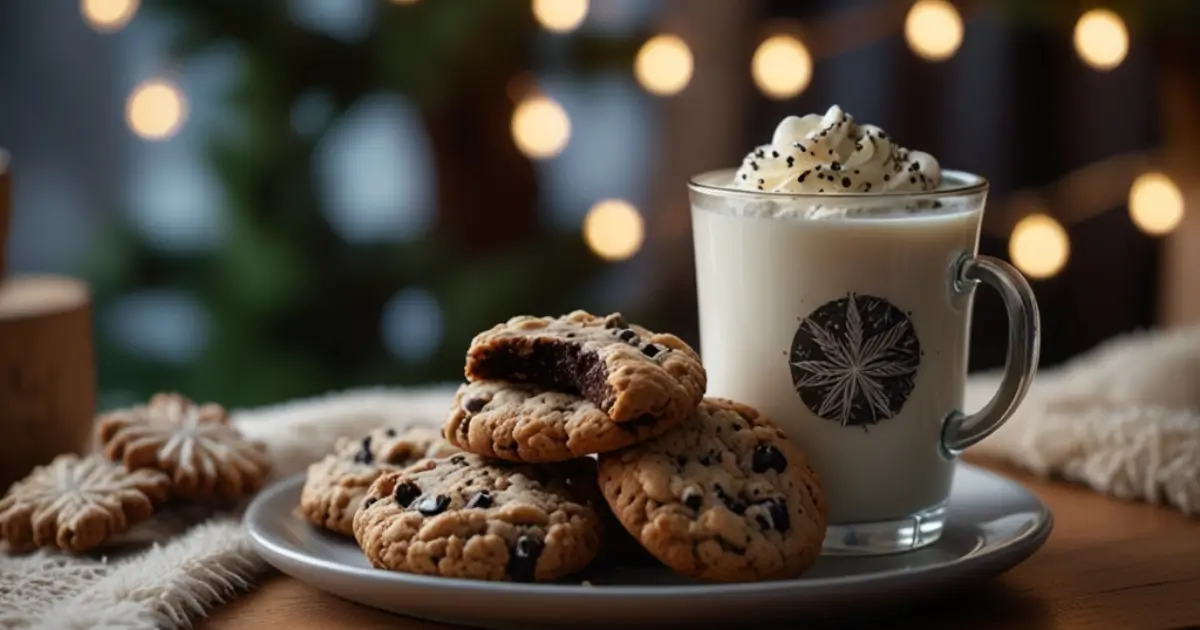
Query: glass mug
pixel 851 331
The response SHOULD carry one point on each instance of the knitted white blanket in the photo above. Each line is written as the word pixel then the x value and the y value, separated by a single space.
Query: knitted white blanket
pixel 1124 419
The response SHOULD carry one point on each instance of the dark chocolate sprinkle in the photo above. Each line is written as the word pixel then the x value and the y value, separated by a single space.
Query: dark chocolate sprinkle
pixel 432 506
pixel 887 177
pixel 767 457
pixel 481 499
pixel 837 166
pixel 692 498
pixel 800 146
pixel 390 433
pixel 522 564
pixel 845 182
pixel 791 161
pixel 759 153
pixel 774 154
pixel 754 165
pixel 743 176
pixel 802 176
pixel 406 493
pixel 882 135
pixel 912 180
pixel 458 459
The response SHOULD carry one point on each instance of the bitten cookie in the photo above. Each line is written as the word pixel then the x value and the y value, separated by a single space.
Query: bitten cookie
pixel 204 456
pixel 336 485
pixel 723 497
pixel 76 503
pixel 525 423
pixel 467 518
pixel 627 371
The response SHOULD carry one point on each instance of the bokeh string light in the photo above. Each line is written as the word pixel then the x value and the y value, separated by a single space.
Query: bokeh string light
pixel 108 16
pixel 540 126
pixel 1155 204
pixel 933 29
pixel 781 66
pixel 156 109
pixel 663 65
pixel 613 229
pixel 1101 39
pixel 560 16
pixel 1039 246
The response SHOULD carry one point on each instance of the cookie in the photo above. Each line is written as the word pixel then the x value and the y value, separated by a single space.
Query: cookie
pixel 76 503
pixel 630 373
pixel 336 485
pixel 466 517
pixel 723 497
pixel 204 456
pixel 521 422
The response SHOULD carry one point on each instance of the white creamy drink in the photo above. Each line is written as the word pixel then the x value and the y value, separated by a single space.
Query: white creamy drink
pixel 826 272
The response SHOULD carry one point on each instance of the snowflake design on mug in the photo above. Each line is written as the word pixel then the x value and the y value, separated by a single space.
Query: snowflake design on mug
pixel 854 360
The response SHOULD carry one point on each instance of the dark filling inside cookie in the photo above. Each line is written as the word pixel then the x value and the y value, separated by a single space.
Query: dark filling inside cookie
pixel 553 364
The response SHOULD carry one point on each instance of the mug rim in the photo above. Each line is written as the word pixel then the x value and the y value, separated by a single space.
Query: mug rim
pixel 965 184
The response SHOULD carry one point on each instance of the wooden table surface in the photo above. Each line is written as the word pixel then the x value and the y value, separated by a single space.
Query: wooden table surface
pixel 1108 565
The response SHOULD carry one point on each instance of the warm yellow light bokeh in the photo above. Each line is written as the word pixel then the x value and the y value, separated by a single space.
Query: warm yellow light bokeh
pixel 1101 39
pixel 663 65
pixel 156 109
pixel 1155 204
pixel 560 16
pixel 1039 246
pixel 613 229
pixel 933 29
pixel 540 127
pixel 107 16
pixel 782 66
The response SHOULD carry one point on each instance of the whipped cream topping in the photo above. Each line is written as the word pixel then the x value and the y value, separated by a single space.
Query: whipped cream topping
pixel 833 154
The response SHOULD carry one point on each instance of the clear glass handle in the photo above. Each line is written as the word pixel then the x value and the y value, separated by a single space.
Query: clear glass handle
pixel 961 431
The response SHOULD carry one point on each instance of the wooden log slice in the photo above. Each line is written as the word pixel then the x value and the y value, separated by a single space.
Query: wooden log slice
pixel 47 372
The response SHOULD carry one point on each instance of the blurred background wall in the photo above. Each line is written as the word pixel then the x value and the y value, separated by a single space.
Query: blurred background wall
pixel 282 197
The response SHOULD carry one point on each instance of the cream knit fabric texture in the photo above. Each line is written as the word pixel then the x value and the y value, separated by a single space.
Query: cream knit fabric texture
pixel 1123 419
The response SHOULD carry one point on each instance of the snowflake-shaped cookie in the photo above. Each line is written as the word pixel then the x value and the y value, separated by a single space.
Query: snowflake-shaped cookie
pixel 78 503
pixel 194 444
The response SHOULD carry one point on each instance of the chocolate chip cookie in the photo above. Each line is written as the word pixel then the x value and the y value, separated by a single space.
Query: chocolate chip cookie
pixel 336 485
pixel 526 423
pixel 722 497
pixel 466 517
pixel 628 372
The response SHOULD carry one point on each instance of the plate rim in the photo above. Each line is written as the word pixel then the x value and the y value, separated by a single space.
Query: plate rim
pixel 273 551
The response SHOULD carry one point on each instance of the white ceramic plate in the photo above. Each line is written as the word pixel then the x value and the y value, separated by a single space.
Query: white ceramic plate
pixel 994 524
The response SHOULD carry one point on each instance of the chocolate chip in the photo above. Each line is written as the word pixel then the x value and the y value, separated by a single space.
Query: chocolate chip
pixel 650 350
pixel 735 506
pixel 390 433
pixel 767 457
pixel 432 506
pixel 837 166
pixel 369 502
pixel 692 498
pixel 406 493
pixel 522 563
pixel 570 335
pixel 627 335
pixel 458 459
pixel 777 508
pixel 364 456
pixel 473 405
pixel 481 499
